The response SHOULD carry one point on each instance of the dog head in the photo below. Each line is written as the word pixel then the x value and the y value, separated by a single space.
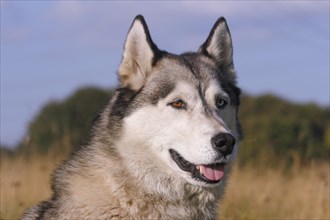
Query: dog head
pixel 178 112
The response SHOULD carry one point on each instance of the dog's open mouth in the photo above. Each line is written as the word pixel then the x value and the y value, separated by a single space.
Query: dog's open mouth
pixel 211 173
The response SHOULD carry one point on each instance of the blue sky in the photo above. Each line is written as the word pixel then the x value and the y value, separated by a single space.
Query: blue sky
pixel 51 48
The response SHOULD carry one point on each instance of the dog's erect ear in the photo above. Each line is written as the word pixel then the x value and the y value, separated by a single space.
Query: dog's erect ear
pixel 218 46
pixel 138 57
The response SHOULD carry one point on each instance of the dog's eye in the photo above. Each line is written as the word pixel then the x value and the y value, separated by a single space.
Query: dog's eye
pixel 178 104
pixel 220 103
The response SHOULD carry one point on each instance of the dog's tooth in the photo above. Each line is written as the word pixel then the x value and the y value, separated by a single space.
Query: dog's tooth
pixel 200 168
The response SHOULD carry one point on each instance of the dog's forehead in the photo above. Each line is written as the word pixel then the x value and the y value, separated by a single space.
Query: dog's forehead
pixel 202 76
pixel 196 70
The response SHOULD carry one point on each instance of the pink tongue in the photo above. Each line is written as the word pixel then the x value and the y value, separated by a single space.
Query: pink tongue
pixel 214 174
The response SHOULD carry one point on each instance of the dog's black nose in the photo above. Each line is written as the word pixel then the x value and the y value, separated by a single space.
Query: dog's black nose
pixel 224 143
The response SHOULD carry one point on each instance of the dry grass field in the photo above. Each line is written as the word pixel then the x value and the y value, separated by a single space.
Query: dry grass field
pixel 253 193
pixel 24 182
pixel 298 193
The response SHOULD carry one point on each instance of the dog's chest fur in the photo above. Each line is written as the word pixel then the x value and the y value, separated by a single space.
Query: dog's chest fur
pixel 121 197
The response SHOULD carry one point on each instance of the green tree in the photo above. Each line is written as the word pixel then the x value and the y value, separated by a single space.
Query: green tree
pixel 60 126
pixel 278 130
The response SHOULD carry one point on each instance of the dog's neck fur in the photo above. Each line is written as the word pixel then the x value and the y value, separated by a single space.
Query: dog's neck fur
pixel 175 199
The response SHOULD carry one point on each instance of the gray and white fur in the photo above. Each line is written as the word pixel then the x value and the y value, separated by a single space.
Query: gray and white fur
pixel 163 146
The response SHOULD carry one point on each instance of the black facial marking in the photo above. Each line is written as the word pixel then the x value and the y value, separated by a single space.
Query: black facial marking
pixel 201 93
pixel 160 92
pixel 120 106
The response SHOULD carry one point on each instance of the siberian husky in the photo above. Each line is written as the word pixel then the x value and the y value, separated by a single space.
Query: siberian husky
pixel 163 146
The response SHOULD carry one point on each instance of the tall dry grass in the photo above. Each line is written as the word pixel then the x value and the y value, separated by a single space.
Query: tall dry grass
pixel 253 193
pixel 24 182
pixel 297 193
